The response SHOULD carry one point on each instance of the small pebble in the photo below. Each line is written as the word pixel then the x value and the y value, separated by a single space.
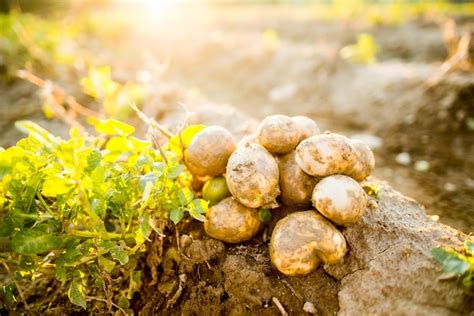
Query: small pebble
pixel 403 158
pixel 310 308
pixel 450 187
pixel 434 218
pixel 470 183
pixel 422 165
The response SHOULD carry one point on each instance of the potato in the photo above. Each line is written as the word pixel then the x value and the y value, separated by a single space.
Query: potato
pixel 279 134
pixel 296 186
pixel 365 162
pixel 248 139
pixel 252 176
pixel 232 222
pixel 340 199
pixel 302 240
pixel 215 190
pixel 307 126
pixel 326 154
pixel 208 152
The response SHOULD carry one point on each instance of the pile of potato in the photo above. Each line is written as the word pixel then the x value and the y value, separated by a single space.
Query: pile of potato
pixel 287 161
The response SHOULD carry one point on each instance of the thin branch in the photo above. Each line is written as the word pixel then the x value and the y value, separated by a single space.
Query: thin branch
pixel 151 122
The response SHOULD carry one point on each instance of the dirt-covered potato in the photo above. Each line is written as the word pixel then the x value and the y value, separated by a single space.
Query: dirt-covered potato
pixel 326 154
pixel 232 222
pixel 208 152
pixel 340 199
pixel 302 240
pixel 248 139
pixel 252 176
pixel 296 186
pixel 307 126
pixel 365 162
pixel 279 134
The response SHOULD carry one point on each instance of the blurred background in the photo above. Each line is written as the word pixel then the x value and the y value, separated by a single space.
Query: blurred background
pixel 396 74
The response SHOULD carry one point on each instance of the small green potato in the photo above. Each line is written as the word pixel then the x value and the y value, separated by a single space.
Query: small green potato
pixel 365 162
pixel 302 240
pixel 253 177
pixel 208 152
pixel 340 199
pixel 232 222
pixel 326 154
pixel 215 190
pixel 307 126
pixel 296 186
pixel 279 134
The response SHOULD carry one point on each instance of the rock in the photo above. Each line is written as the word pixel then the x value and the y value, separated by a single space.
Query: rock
pixel 389 269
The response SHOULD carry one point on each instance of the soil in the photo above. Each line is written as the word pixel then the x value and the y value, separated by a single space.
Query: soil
pixel 222 58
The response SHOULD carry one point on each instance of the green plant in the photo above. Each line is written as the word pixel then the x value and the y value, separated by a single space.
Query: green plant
pixel 372 189
pixel 364 51
pixel 458 264
pixel 114 97
pixel 82 209
pixel 29 41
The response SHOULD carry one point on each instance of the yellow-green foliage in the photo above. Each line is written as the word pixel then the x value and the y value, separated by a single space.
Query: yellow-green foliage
pixel 364 51
pixel 36 43
pixel 114 97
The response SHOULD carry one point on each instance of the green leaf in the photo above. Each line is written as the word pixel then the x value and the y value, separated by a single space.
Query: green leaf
pixel 201 206
pixel 76 294
pixel 185 196
pixel 60 269
pixel 34 241
pixel 186 137
pixel 176 215
pixel 106 264
pixel 451 261
pixel 93 160
pixel 149 177
pixel 119 254
pixel 114 127
pixel 36 131
pixel 197 215
pixel 175 172
pixel 469 246
pixel 55 185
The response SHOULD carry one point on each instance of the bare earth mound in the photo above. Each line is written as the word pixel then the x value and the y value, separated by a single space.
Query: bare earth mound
pixel 389 269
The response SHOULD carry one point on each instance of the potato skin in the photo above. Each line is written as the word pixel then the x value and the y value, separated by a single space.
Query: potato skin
pixel 248 139
pixel 279 134
pixel 232 222
pixel 302 240
pixel 365 162
pixel 253 176
pixel 326 154
pixel 307 126
pixel 296 186
pixel 208 152
pixel 340 199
